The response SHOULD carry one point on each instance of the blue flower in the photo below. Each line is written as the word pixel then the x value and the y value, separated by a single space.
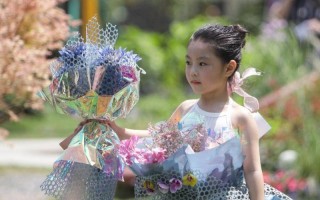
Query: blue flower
pixel 69 52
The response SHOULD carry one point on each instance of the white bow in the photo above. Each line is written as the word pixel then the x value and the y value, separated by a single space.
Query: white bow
pixel 250 102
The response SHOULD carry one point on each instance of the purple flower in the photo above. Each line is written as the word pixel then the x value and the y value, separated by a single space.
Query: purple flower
pixel 163 188
pixel 175 185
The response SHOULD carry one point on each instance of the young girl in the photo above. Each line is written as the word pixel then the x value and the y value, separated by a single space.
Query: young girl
pixel 212 59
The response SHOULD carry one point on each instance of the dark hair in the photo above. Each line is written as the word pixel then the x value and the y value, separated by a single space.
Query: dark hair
pixel 227 41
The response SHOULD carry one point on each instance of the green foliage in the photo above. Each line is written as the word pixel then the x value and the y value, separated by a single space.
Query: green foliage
pixel 309 149
pixel 153 108
pixel 250 15
pixel 149 46
pixel 308 137
pixel 46 124
pixel 163 54
pixel 280 61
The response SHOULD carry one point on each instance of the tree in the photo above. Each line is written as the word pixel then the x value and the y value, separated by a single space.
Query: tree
pixel 30 31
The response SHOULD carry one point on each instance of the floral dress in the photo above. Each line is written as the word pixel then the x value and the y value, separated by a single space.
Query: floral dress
pixel 214 173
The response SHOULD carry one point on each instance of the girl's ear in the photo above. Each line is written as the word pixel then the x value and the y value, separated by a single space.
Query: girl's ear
pixel 231 67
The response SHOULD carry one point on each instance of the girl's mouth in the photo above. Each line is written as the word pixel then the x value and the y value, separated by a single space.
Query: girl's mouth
pixel 195 82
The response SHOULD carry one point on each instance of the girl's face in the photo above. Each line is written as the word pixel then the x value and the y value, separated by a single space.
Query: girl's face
pixel 205 72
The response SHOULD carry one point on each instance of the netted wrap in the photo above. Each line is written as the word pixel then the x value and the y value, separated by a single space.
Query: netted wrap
pixel 215 173
pixel 71 180
pixel 211 189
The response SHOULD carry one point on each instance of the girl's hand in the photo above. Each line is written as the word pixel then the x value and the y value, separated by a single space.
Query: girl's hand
pixel 124 133
pixel 65 143
pixel 117 129
pixel 112 124
pixel 81 124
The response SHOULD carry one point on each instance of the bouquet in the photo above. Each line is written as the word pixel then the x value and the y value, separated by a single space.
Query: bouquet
pixel 95 81
pixel 174 164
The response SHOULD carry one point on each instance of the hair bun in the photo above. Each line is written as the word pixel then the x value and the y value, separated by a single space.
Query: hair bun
pixel 240 29
pixel 242 33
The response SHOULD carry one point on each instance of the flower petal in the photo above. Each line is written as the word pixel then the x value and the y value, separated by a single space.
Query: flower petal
pixel 163 188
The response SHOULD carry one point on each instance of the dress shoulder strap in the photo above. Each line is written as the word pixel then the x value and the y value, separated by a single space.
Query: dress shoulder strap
pixel 178 114
pixel 229 113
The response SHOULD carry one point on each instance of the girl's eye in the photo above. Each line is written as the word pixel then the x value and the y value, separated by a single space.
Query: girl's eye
pixel 202 64
pixel 187 62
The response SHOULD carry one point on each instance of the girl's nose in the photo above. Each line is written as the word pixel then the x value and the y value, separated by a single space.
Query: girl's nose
pixel 194 71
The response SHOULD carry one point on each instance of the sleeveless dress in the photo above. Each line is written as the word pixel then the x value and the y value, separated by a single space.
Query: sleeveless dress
pixel 218 169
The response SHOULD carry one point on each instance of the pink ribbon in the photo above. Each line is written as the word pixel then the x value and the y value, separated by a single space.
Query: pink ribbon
pixel 250 102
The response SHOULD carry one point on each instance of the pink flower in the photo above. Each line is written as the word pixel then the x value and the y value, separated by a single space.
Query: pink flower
pixel 175 185
pixel 129 152
pixel 302 185
pixel 279 186
pixel 285 181
pixel 131 143
pixel 293 184
pixel 280 174
pixel 156 155
pixel 266 177
pixel 127 149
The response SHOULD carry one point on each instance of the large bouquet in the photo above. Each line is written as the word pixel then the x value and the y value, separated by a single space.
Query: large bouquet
pixel 95 81
pixel 174 163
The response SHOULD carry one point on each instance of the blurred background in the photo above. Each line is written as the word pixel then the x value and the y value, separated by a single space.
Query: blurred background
pixel 283 44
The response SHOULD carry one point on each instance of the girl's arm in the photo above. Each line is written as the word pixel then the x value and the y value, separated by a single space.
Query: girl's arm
pixel 252 164
pixel 125 133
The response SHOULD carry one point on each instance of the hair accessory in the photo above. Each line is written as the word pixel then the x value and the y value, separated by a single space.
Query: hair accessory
pixel 250 102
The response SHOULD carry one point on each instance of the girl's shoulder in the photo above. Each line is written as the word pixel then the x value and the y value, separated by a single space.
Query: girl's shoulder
pixel 187 104
pixel 240 115
pixel 244 119
pixel 182 109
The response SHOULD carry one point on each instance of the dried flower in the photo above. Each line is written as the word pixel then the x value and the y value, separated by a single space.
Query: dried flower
pixel 196 137
pixel 169 136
